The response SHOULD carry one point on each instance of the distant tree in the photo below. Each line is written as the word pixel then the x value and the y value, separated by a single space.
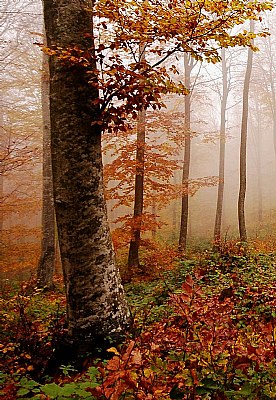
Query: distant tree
pixel 222 142
pixel 259 147
pixel 265 66
pixel 20 122
pixel 160 151
pixel 268 70
pixel 133 255
pixel 188 66
pixel 243 147
pixel 1 174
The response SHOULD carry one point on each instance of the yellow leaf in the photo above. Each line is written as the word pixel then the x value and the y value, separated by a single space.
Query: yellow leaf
pixel 147 372
pixel 113 350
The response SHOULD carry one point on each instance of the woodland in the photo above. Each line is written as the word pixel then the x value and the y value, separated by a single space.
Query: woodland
pixel 137 203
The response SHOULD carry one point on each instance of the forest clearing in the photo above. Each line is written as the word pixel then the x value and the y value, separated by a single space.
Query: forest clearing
pixel 137 199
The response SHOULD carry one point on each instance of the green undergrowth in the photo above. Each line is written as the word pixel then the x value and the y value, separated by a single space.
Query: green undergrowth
pixel 204 330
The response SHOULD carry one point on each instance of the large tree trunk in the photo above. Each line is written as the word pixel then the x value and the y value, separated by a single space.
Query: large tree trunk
pixel 243 152
pixel 225 90
pixel 96 305
pixel 187 159
pixel 46 263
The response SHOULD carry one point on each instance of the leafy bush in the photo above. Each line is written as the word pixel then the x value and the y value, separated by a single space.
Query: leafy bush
pixel 32 322
pixel 201 331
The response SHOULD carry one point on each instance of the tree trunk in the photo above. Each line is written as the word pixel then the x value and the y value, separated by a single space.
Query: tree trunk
pixel 96 305
pixel 259 167
pixel 225 91
pixel 174 214
pixel 2 141
pixel 187 158
pixel 271 77
pixel 153 211
pixel 45 269
pixel 244 124
pixel 133 255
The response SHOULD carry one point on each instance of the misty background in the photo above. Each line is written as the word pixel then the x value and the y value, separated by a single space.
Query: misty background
pixel 21 28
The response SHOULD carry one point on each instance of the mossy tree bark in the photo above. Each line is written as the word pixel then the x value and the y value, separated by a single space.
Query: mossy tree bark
pixel 96 305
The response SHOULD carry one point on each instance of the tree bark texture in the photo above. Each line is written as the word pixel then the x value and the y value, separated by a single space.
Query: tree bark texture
pixel 243 145
pixel 225 91
pixel 133 255
pixel 186 160
pixel 46 263
pixel 96 305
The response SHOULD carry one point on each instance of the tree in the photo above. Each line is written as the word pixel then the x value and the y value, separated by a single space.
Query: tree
pixel 244 123
pixel 161 148
pixel 95 86
pixel 96 305
pixel 133 255
pixel 20 148
pixel 266 66
pixel 222 139
pixel 45 269
pixel 269 79
pixel 188 66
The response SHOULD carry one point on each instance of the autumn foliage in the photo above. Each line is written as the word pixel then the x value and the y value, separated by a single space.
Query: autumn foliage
pixel 205 330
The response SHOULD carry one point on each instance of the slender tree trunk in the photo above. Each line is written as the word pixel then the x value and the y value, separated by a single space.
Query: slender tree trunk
pixel 273 94
pixel 259 166
pixel 46 263
pixel 174 217
pixel 274 129
pixel 243 152
pixel 187 159
pixel 217 228
pixel 153 231
pixel 96 305
pixel 1 199
pixel 272 89
pixel 133 255
pixel 259 180
pixel 2 141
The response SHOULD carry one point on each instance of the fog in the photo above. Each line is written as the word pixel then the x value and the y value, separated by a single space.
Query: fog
pixel 21 145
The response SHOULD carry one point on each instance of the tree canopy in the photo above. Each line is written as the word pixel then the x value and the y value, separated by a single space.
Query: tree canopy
pixel 127 81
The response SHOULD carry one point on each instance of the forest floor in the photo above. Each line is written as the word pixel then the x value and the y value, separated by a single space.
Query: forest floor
pixel 205 329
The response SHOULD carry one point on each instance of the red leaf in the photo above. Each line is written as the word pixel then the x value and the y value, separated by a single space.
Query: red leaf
pixel 113 364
